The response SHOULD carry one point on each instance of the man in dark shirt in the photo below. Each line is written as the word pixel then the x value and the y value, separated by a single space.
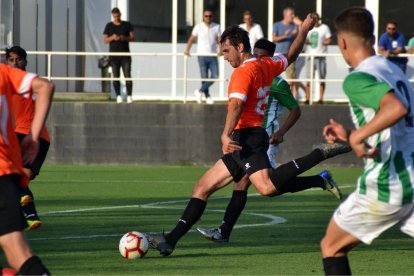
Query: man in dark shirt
pixel 118 34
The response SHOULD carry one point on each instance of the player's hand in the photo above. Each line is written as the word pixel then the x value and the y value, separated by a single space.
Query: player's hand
pixel 309 22
pixel 29 148
pixel 187 53
pixel 335 132
pixel 115 37
pixel 228 145
pixel 363 149
pixel 276 138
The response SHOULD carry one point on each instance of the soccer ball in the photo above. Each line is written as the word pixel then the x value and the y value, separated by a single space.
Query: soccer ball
pixel 133 245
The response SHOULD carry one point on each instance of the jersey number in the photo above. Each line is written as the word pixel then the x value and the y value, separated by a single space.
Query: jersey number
pixel 263 97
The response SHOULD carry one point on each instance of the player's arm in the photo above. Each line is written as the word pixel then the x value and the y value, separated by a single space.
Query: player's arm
pixel 390 111
pixel 297 45
pixel 43 90
pixel 234 111
pixel 282 93
pixel 190 42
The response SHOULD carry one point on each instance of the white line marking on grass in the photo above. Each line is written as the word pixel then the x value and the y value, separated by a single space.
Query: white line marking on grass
pixel 162 205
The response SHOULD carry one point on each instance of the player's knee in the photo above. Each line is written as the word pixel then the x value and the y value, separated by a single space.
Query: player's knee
pixel 266 190
pixel 327 248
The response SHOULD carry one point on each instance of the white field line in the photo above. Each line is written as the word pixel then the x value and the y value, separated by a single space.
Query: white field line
pixel 161 205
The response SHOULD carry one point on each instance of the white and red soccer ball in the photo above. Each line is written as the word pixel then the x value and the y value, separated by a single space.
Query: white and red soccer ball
pixel 133 245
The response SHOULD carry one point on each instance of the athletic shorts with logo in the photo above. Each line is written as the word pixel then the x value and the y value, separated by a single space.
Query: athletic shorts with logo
pixel 366 218
pixel 40 157
pixel 253 156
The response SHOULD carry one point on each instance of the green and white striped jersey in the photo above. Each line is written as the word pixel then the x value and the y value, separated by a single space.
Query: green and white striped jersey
pixel 280 97
pixel 390 178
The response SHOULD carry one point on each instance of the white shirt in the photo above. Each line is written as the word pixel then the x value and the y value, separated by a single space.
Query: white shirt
pixel 316 37
pixel 207 37
pixel 255 33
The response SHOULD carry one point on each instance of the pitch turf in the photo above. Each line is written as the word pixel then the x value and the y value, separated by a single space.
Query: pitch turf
pixel 86 209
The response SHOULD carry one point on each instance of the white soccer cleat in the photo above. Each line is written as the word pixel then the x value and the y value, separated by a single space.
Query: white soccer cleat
pixel 129 99
pixel 118 99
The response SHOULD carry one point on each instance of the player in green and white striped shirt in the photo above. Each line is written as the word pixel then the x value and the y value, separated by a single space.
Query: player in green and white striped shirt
pixel 382 104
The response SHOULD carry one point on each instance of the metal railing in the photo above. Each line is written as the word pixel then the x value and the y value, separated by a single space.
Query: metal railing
pixel 185 79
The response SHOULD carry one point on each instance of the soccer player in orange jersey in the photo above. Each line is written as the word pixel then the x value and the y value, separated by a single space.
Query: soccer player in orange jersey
pixel 244 140
pixel 23 111
pixel 12 156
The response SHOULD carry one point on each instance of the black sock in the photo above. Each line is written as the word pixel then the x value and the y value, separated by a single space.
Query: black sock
pixel 336 266
pixel 192 213
pixel 234 208
pixel 298 184
pixel 30 208
pixel 33 266
pixel 287 171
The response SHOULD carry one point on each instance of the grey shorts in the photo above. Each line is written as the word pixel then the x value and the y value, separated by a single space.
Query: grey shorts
pixel 319 64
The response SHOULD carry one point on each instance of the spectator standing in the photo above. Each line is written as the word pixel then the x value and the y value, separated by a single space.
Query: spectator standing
pixel 317 43
pixel 391 44
pixel 207 34
pixel 118 34
pixel 254 30
pixel 284 33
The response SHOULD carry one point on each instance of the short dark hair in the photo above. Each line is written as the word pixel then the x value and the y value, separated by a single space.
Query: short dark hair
pixel 393 22
pixel 17 50
pixel 116 10
pixel 236 35
pixel 358 21
pixel 265 45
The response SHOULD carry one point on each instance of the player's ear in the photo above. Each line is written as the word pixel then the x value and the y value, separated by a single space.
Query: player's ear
pixel 240 48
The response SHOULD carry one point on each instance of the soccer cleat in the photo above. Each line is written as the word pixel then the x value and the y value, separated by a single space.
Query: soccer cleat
pixel 158 241
pixel 25 199
pixel 198 95
pixel 32 224
pixel 212 234
pixel 118 99
pixel 330 184
pixel 332 149
pixel 209 100
pixel 129 99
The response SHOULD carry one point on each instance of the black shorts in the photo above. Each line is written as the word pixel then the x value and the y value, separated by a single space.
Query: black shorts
pixel 253 156
pixel 11 213
pixel 41 155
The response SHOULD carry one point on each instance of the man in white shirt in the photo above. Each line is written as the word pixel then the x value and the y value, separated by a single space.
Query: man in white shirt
pixel 318 40
pixel 254 30
pixel 207 34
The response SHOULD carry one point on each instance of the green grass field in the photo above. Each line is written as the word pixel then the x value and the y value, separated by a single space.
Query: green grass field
pixel 86 209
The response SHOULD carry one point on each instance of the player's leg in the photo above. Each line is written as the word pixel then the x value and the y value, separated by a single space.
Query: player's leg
pixel 126 69
pixel 335 246
pixel 215 178
pixel 355 221
pixel 32 171
pixel 12 241
pixel 233 211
